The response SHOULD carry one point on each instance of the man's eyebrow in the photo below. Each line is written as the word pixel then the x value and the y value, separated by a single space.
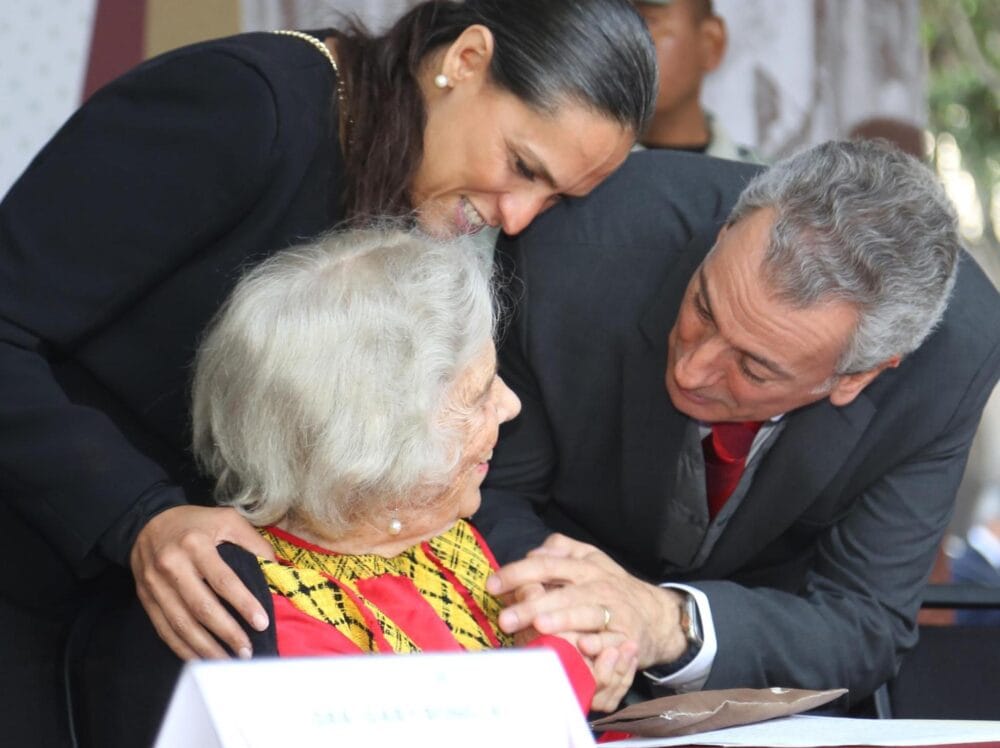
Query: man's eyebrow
pixel 762 360
pixel 538 166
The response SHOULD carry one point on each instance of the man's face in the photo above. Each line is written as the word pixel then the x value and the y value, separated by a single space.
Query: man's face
pixel 738 354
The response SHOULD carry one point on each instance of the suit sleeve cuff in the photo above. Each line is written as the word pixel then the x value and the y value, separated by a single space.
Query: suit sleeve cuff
pixel 692 676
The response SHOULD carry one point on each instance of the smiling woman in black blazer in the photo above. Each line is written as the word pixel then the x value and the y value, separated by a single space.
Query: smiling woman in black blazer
pixel 125 233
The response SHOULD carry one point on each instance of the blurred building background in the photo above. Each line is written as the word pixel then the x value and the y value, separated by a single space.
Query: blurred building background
pixel 797 72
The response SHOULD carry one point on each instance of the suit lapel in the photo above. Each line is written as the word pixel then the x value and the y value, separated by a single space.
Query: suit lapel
pixel 809 452
pixel 653 432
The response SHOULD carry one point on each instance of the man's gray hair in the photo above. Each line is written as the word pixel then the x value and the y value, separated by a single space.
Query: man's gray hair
pixel 320 385
pixel 863 223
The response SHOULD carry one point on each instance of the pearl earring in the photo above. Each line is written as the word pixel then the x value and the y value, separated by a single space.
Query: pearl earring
pixel 395 526
pixel 441 80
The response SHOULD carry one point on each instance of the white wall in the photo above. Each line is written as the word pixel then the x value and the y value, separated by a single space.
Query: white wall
pixel 43 54
pixel 799 72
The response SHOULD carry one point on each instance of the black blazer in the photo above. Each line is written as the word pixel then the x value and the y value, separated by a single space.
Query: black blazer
pixel 815 581
pixel 117 245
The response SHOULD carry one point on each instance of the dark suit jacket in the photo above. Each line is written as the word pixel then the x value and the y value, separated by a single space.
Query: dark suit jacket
pixel 815 581
pixel 117 245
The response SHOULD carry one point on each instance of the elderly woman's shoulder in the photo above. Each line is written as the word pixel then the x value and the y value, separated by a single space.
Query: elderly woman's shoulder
pixel 247 568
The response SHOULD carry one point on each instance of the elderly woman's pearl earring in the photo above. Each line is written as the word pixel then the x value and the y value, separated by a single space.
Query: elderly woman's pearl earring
pixel 395 526
pixel 441 80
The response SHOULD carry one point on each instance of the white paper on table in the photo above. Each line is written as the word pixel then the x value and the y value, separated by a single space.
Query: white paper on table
pixel 498 699
pixel 804 731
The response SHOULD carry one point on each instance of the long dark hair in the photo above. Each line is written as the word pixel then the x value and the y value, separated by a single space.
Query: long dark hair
pixel 546 52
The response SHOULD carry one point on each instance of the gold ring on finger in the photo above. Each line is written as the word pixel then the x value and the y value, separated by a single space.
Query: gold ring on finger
pixel 607 617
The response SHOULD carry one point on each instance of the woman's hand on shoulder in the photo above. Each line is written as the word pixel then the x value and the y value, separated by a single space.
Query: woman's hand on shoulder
pixel 180 576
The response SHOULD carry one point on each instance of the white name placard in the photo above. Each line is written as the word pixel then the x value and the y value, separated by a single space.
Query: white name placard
pixel 484 699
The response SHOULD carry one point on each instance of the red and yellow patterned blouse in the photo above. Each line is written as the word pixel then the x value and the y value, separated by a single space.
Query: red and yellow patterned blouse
pixel 430 598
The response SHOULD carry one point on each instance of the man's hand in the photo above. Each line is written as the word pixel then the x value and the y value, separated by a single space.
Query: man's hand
pixel 581 583
pixel 178 573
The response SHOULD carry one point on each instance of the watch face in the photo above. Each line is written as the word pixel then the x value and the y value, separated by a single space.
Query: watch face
pixel 691 622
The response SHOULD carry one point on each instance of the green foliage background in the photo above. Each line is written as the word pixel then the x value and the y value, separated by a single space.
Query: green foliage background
pixel 962 39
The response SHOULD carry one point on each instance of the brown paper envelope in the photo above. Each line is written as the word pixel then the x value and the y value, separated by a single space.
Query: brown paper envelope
pixel 703 711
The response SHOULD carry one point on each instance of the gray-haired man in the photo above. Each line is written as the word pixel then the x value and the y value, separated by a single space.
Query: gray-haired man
pixel 796 465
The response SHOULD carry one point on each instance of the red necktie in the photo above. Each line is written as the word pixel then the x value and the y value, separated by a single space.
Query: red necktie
pixel 726 450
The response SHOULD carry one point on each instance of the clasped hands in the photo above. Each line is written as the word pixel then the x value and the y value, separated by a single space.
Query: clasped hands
pixel 573 590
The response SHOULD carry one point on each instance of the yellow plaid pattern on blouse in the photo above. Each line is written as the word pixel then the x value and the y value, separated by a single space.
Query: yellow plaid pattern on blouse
pixel 308 586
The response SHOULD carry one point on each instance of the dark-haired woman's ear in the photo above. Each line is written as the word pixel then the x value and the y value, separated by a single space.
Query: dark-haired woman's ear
pixel 469 56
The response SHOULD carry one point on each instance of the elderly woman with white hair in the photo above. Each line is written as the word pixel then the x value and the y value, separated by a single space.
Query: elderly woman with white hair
pixel 346 402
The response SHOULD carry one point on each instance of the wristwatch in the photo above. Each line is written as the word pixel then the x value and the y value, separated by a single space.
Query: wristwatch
pixel 690 623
